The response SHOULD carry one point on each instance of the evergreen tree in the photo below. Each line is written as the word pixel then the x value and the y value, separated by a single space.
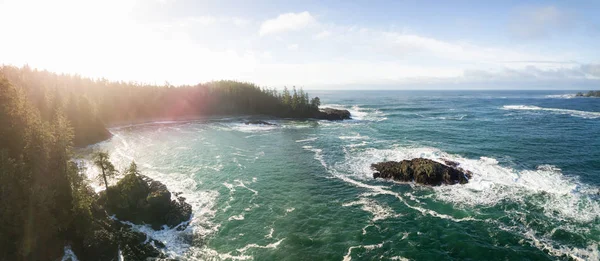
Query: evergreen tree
pixel 101 160
pixel 315 102
pixel 133 169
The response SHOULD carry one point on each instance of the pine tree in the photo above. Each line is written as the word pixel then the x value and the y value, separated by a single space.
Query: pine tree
pixel 101 160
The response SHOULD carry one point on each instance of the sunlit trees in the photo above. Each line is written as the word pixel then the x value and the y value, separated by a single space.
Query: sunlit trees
pixel 102 161
pixel 40 188
pixel 90 105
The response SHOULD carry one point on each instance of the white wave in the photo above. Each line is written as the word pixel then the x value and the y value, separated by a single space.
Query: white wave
pixel 575 113
pixel 561 96
pixel 236 217
pixel 318 155
pixel 272 245
pixel 367 247
pixel 309 139
pixel 547 245
pixel 379 212
pixel 355 137
pixel 250 128
pixel 270 235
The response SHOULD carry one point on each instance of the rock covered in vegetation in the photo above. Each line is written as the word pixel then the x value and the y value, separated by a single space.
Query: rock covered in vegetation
pixel 259 122
pixel 136 199
pixel 333 114
pixel 422 171
pixel 141 200
pixel 589 94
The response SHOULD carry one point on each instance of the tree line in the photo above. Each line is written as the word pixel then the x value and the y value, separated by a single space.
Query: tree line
pixel 90 104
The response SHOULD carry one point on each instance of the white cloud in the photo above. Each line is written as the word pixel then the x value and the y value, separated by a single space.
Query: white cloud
pixel 287 22
pixel 322 34
pixel 149 52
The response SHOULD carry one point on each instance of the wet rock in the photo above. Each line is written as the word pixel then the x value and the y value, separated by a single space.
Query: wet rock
pixel 422 171
pixel 333 114
pixel 141 200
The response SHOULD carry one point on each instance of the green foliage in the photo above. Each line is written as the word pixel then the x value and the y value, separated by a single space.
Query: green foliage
pixel 315 102
pixel 132 170
pixel 102 161
pixel 42 192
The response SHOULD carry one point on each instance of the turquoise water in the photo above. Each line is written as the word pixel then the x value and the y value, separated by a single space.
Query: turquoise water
pixel 303 190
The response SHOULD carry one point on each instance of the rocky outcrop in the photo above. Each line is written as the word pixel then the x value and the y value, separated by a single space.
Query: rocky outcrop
pixel 107 236
pixel 589 94
pixel 136 199
pixel 422 171
pixel 333 114
pixel 259 122
pixel 141 200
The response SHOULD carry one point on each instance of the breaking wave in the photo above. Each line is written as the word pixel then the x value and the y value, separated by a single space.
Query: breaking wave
pixel 575 113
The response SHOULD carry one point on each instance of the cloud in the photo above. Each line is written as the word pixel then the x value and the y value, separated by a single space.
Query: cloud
pixel 351 55
pixel 287 22
pixel 539 23
pixel 322 34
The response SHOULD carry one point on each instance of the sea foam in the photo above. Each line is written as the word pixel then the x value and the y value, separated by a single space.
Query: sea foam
pixel 574 113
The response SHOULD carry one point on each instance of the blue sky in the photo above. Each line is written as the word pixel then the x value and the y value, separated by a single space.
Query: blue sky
pixel 314 44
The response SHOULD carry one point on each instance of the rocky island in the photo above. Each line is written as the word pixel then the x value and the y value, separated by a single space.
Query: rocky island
pixel 422 171
pixel 332 114
pixel 595 94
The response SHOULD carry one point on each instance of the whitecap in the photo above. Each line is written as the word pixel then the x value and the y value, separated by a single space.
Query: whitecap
pixel 379 212
pixel 367 247
pixel 574 113
pixel 236 217
pixel 309 139
pixel 562 96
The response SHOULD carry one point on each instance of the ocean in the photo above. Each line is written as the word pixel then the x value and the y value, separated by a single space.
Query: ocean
pixel 303 189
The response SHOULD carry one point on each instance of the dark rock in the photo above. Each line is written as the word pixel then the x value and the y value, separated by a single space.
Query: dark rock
pixel 422 171
pixel 450 163
pixel 333 114
pixel 141 200
pixel 106 237
pixel 259 122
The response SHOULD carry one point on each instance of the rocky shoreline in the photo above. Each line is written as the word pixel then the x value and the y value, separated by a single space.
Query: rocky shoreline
pixel 135 199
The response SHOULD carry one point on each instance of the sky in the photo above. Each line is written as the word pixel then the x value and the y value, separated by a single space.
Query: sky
pixel 312 44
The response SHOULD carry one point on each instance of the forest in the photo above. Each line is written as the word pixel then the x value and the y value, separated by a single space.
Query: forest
pixel 45 200
pixel 92 104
